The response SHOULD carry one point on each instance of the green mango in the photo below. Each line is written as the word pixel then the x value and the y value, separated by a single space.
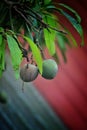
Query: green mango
pixel 50 69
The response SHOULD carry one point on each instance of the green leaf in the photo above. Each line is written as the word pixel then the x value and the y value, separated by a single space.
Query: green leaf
pixel 3 54
pixel 36 53
pixel 49 7
pixel 28 33
pixel 1 73
pixel 65 39
pixel 61 42
pixel 1 30
pixel 64 56
pixel 16 54
pixel 78 18
pixel 55 56
pixel 50 34
pixel 0 39
pixel 2 57
pixel 70 36
pixel 47 1
pixel 75 24
pixel 61 45
pixel 49 39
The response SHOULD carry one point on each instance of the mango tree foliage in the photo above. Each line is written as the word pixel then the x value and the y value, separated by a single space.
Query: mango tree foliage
pixel 41 29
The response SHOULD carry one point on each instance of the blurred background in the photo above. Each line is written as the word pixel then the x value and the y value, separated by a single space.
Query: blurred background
pixel 59 104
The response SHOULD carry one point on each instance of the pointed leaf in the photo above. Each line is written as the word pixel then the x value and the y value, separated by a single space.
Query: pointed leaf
pixel 0 39
pixel 70 36
pixel 2 57
pixel 78 18
pixel 61 45
pixel 36 53
pixel 50 35
pixel 1 31
pixel 47 1
pixel 49 41
pixel 72 39
pixel 61 42
pixel 64 56
pixel 3 54
pixel 65 39
pixel 1 73
pixel 55 56
pixel 75 24
pixel 16 53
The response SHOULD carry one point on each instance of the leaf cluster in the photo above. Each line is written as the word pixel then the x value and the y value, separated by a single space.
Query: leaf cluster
pixel 41 28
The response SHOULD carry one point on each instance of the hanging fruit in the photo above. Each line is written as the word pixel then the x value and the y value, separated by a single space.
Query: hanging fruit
pixel 28 72
pixel 50 69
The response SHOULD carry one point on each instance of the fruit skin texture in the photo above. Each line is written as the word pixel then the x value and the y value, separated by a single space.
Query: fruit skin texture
pixel 3 97
pixel 28 72
pixel 50 69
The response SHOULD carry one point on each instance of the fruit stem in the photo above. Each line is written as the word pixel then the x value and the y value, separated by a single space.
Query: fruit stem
pixel 23 86
pixel 37 43
pixel 27 66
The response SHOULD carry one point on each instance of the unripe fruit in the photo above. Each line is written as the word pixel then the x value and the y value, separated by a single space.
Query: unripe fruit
pixel 50 69
pixel 3 97
pixel 28 72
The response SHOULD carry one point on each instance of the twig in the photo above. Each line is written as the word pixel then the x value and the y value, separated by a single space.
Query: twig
pixel 39 18
pixel 10 14
pixel 24 51
pixel 22 15
pixel 11 3
pixel 57 30
pixel 25 18
pixel 37 15
pixel 37 43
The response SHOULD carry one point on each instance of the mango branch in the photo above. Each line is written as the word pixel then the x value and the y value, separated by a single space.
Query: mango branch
pixel 24 51
pixel 37 17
